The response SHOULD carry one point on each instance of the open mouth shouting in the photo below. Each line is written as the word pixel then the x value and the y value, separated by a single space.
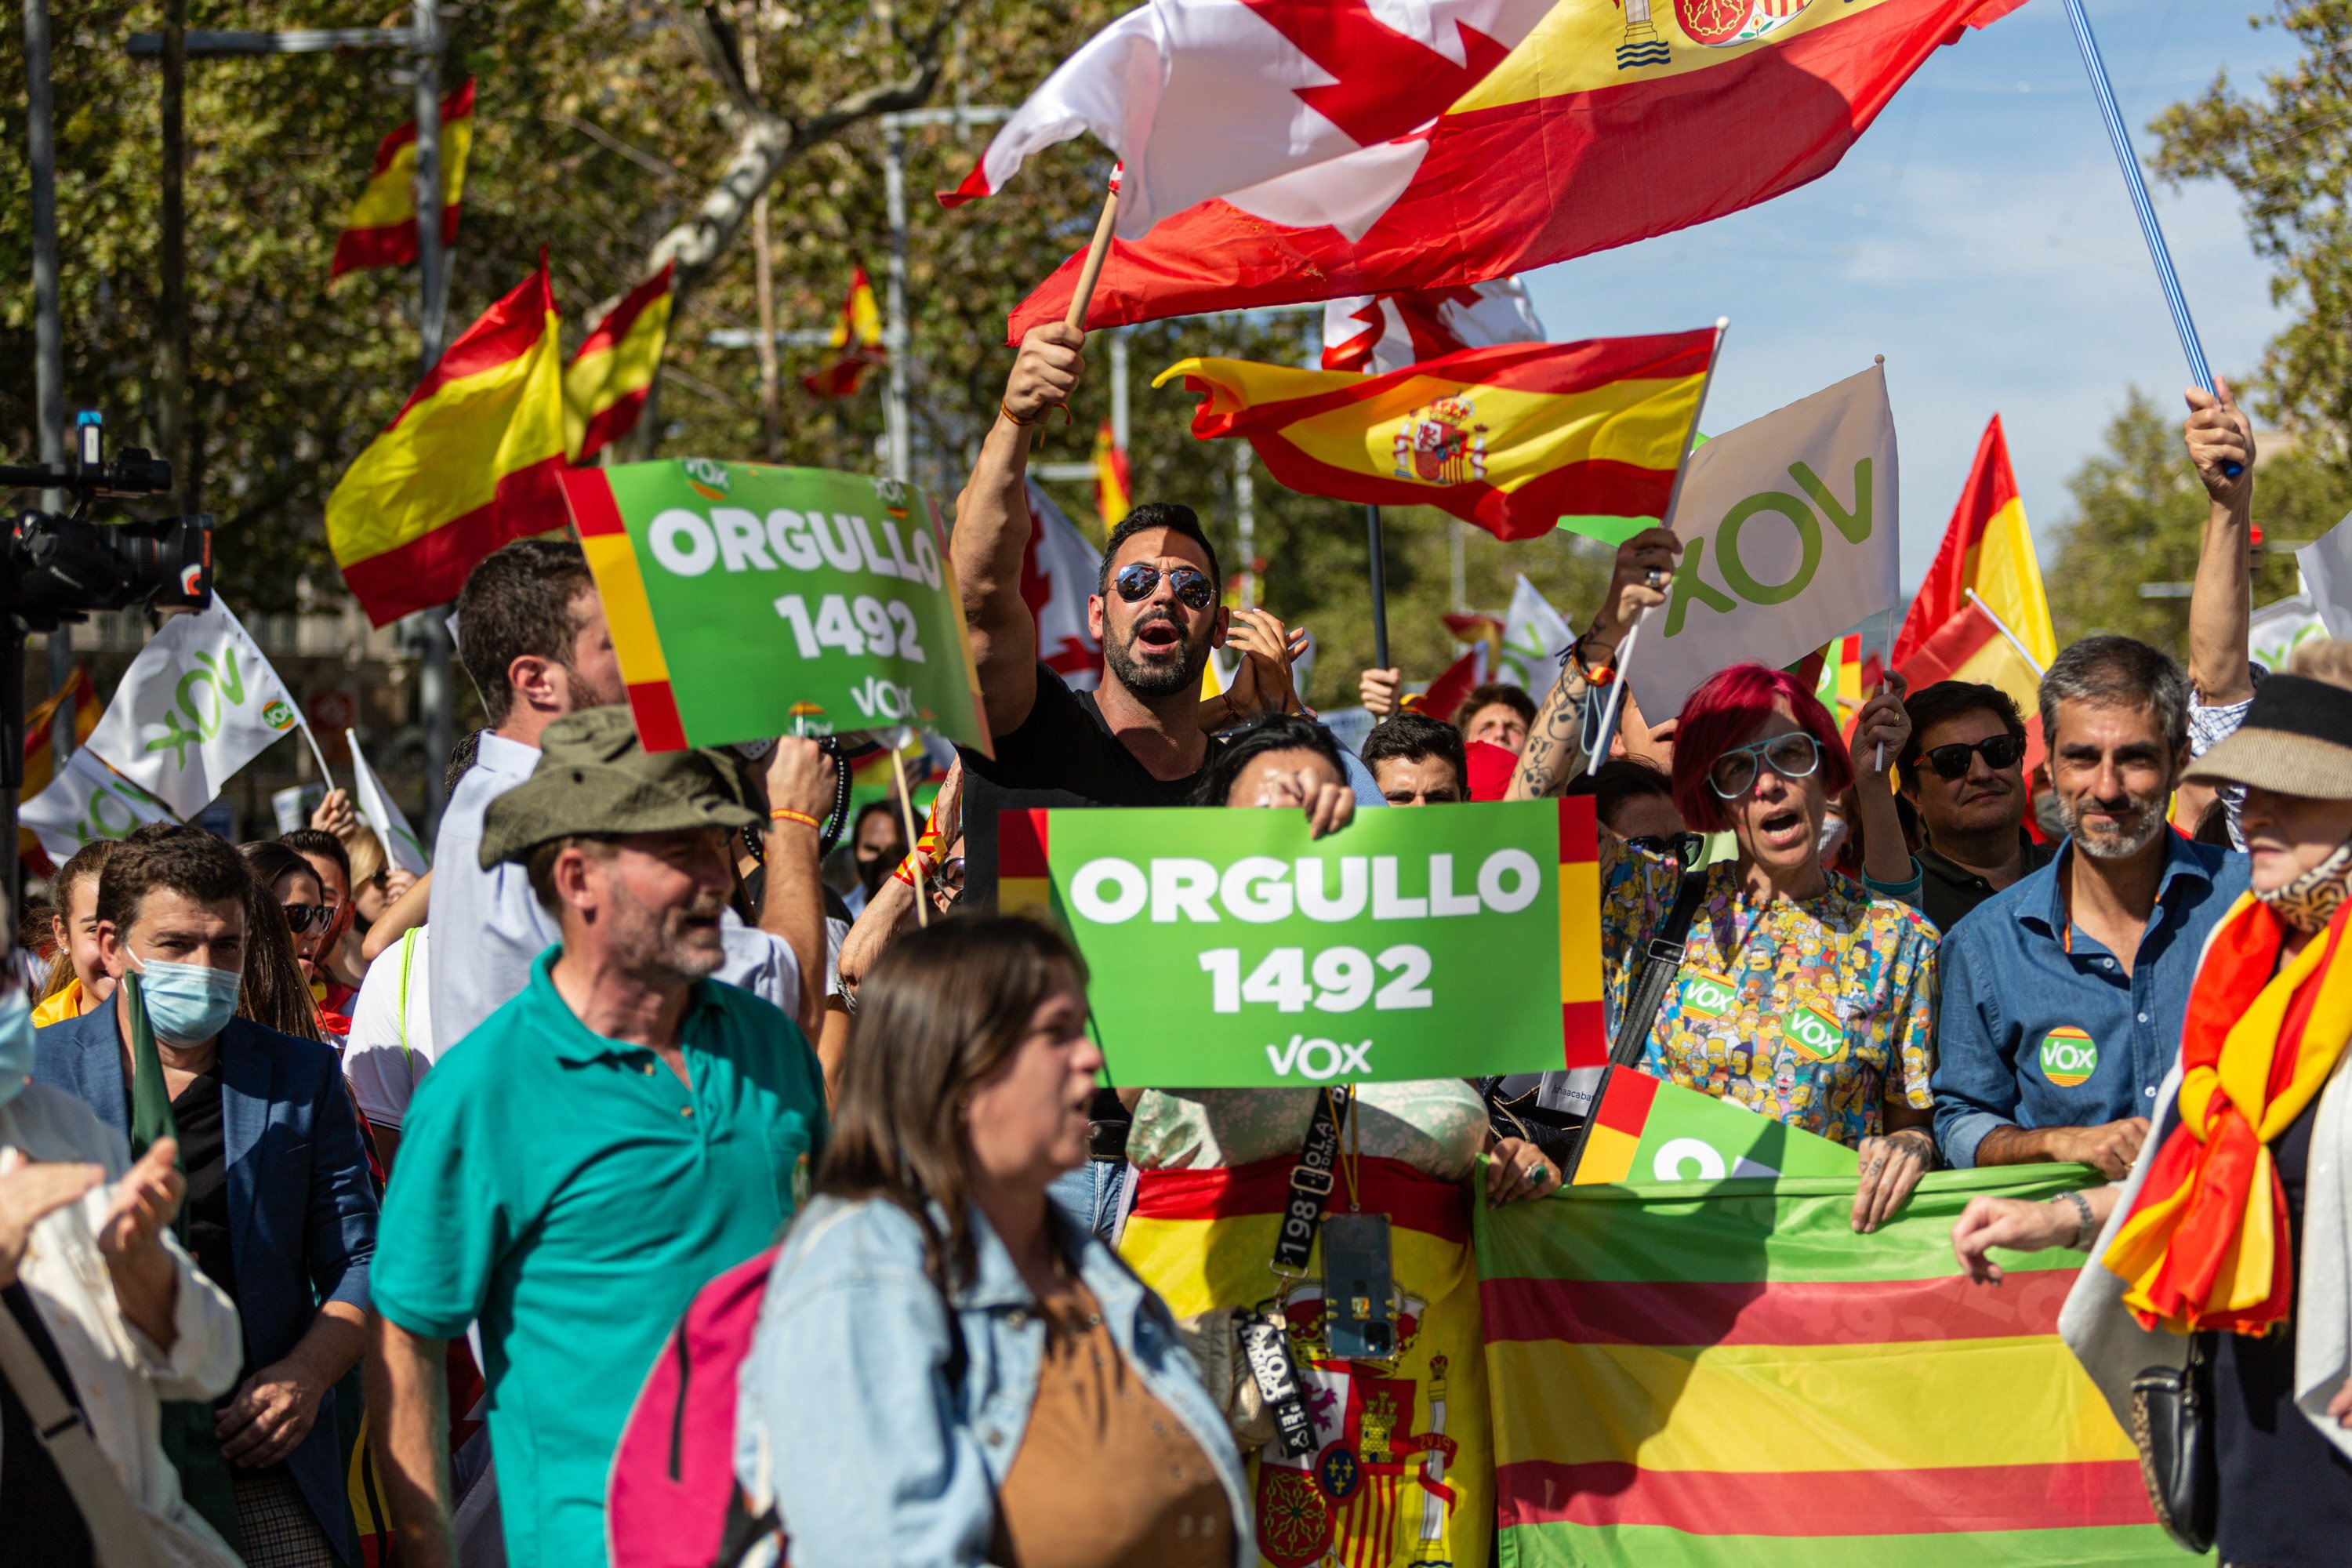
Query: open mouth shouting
pixel 1159 637
pixel 1784 830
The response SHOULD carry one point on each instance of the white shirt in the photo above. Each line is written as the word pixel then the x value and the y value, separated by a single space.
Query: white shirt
pixel 119 1373
pixel 491 925
pixel 391 1043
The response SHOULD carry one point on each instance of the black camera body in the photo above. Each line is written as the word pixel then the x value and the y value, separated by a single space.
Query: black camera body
pixel 56 567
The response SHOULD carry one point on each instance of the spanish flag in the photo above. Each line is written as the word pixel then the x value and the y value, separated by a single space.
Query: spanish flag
pixel 1114 498
pixel 1510 438
pixel 1984 590
pixel 856 342
pixel 474 459
pixel 381 229
pixel 605 388
pixel 40 754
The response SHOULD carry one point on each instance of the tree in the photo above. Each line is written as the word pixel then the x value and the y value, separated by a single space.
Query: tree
pixel 2140 518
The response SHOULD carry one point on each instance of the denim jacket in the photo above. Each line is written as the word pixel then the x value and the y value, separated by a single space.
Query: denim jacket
pixel 850 1418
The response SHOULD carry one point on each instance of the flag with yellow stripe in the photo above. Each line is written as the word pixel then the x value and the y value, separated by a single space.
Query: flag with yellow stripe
pixel 382 229
pixel 1693 1374
pixel 1510 438
pixel 77 699
pixel 605 388
pixel 473 461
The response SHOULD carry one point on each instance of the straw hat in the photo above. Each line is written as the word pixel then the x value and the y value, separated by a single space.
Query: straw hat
pixel 2296 739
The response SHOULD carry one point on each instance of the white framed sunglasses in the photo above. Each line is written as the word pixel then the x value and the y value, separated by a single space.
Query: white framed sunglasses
pixel 1794 755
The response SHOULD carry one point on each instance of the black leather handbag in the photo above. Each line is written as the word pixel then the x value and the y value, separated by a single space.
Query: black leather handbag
pixel 2172 1424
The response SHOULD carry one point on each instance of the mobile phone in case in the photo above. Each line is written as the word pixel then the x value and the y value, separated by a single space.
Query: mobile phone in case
pixel 1358 1287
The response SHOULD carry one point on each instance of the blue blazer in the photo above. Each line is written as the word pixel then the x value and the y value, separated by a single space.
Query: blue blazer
pixel 302 1209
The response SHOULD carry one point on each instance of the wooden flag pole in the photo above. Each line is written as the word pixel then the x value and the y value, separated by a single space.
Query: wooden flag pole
pixel 1096 254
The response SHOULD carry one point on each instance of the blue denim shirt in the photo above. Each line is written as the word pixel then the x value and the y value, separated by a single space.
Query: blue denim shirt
pixel 2031 1034
pixel 848 1418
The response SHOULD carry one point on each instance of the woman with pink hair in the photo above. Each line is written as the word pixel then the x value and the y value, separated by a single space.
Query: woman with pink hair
pixel 1803 994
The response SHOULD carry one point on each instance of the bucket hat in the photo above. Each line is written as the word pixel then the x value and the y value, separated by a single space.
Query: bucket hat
pixel 594 777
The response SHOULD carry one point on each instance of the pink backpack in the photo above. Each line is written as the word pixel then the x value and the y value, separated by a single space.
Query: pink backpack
pixel 671 1500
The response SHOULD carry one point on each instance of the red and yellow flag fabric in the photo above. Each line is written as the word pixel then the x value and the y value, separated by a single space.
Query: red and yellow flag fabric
pixel 1114 498
pixel 1986 577
pixel 382 229
pixel 1720 1374
pixel 78 697
pixel 1509 438
pixel 856 342
pixel 473 461
pixel 1610 122
pixel 1402 1469
pixel 606 386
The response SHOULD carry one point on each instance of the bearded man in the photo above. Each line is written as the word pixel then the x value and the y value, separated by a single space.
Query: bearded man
pixel 1142 736
pixel 2064 994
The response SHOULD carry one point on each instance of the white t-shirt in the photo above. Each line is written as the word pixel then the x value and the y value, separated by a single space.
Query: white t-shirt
pixel 390 1044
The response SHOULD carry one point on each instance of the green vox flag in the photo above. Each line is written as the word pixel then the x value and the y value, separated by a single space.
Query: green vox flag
pixel 1229 949
pixel 748 601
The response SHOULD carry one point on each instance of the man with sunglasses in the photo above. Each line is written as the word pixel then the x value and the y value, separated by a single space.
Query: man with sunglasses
pixel 1964 772
pixel 1142 736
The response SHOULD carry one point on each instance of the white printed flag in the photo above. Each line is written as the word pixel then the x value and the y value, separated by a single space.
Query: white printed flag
pixel 1534 637
pixel 1788 532
pixel 87 800
pixel 378 810
pixel 197 704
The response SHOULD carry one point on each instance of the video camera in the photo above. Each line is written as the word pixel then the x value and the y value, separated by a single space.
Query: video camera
pixel 56 567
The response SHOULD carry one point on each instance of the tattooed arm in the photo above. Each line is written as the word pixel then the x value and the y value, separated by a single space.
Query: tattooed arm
pixel 1555 749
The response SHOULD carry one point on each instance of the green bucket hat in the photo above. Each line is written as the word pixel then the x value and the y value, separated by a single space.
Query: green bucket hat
pixel 594 777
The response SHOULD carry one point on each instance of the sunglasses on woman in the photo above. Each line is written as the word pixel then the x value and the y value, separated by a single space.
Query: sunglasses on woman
pixel 1792 756
pixel 1998 751
pixel 305 918
pixel 1193 588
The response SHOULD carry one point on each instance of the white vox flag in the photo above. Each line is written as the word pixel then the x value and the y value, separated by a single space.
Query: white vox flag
pixel 87 800
pixel 1788 539
pixel 2277 630
pixel 197 704
pixel 1058 577
pixel 376 808
pixel 1534 637
pixel 2327 566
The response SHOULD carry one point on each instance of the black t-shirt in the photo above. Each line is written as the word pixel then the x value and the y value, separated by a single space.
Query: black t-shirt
pixel 1064 744
pixel 197 1113
pixel 40 1524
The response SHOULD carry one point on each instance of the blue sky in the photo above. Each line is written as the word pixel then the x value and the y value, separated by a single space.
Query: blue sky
pixel 1980 237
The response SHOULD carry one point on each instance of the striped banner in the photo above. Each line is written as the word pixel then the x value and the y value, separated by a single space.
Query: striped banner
pixel 1686 1375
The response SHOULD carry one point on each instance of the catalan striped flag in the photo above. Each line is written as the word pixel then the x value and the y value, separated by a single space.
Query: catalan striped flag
pixel 472 461
pixel 382 229
pixel 1509 438
pixel 1400 1470
pixel 1692 1374
pixel 606 384
pixel 856 342
pixel 77 698
pixel 1114 494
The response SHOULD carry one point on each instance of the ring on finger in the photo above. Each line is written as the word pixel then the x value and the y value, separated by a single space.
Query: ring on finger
pixel 1653 578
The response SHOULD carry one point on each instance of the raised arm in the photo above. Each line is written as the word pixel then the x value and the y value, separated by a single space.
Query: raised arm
pixel 1555 749
pixel 991 525
pixel 2220 605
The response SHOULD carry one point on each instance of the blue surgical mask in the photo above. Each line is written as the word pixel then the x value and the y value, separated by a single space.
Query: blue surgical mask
pixel 16 1043
pixel 188 1004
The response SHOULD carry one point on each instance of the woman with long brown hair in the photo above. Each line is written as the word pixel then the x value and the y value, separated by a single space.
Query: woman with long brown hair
pixel 276 992
pixel 950 1369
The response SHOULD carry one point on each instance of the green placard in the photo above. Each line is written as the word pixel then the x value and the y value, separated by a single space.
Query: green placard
pixel 748 601
pixel 1228 949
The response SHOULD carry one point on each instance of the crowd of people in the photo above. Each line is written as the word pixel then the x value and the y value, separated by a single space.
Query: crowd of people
pixel 324 1182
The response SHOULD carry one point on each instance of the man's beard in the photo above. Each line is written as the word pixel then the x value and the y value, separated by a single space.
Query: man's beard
pixel 2114 845
pixel 1151 681
pixel 657 941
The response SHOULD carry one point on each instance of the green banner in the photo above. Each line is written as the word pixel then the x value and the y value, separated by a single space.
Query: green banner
pixel 1228 949
pixel 747 601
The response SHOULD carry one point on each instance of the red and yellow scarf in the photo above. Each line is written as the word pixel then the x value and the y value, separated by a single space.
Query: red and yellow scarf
pixel 2205 1243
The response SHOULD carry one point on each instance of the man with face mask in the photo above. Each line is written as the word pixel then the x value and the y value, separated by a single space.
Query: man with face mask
pixel 2064 993
pixel 617 1134
pixel 280 1210
pixel 1142 736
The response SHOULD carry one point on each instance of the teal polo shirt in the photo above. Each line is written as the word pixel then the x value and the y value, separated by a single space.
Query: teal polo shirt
pixel 571 1193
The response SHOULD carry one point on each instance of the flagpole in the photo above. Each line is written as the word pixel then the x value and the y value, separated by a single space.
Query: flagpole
pixel 1098 252
pixel 318 756
pixel 2104 93
pixel 1599 752
pixel 2002 627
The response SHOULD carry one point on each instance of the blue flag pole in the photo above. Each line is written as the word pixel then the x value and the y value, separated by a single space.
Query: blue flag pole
pixel 2104 93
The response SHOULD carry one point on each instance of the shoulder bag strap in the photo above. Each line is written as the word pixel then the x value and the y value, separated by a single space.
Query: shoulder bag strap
pixel 1264 1338
pixel 407 953
pixel 1660 965
pixel 118 1529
